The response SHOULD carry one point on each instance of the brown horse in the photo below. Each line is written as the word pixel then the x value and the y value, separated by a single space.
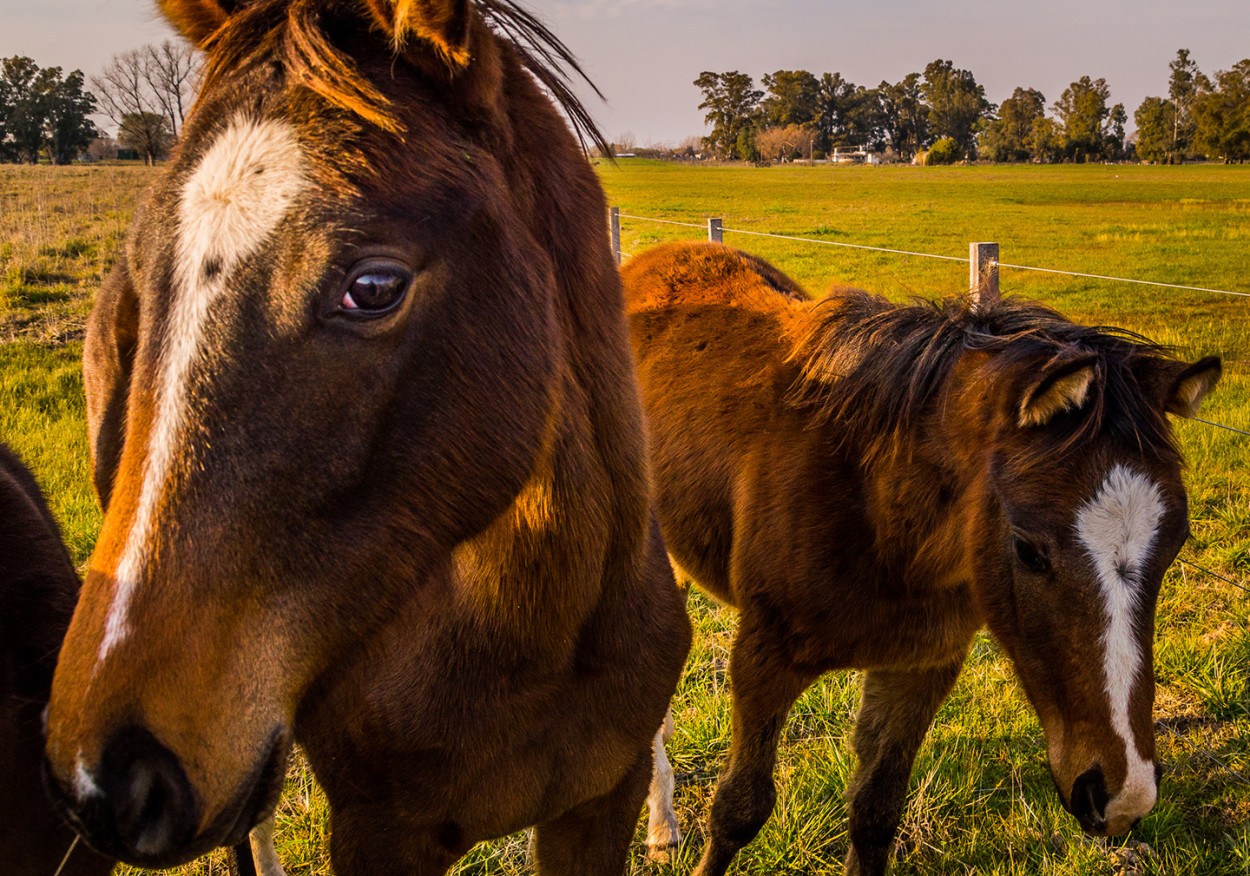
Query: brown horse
pixel 366 430
pixel 38 589
pixel 869 484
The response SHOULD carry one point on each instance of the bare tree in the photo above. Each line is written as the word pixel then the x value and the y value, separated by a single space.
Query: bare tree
pixel 172 71
pixel 148 90
pixel 784 142
pixel 127 99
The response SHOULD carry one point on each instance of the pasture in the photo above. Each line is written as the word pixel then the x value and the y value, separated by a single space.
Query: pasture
pixel 982 799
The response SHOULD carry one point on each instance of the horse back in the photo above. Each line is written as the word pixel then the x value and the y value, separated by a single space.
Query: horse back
pixel 690 274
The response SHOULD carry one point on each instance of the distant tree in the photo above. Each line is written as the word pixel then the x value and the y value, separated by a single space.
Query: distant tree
pixel 130 103
pixel 1005 138
pixel 145 133
pixel 1156 126
pixel 42 111
pixel 785 142
pixel 1222 115
pixel 102 148
pixel 23 110
pixel 904 115
pixel 1114 133
pixel 945 151
pixel 172 71
pixel 793 98
pixel 732 104
pixel 834 100
pixel 1185 84
pixel 152 80
pixel 1045 141
pixel 866 120
pixel 956 103
pixel 1082 110
pixel 67 107
pixel 691 146
pixel 745 149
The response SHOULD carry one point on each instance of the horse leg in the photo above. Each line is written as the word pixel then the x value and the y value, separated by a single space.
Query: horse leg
pixel 894 716
pixel 257 856
pixel 263 851
pixel 592 839
pixel 765 686
pixel 663 834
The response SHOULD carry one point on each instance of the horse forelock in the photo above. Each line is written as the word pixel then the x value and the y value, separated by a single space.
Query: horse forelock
pixel 297 36
pixel 875 368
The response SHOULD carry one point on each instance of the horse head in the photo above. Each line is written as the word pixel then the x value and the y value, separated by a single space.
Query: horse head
pixel 1083 511
pixel 329 355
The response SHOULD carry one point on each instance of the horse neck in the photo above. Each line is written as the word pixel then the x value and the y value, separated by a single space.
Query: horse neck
pixel 538 570
pixel 926 487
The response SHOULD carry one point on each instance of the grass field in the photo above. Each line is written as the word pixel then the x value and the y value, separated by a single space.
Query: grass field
pixel 982 800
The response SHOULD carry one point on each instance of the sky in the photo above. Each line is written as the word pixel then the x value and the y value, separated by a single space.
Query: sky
pixel 645 54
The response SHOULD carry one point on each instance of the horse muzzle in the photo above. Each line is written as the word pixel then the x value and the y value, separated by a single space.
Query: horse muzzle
pixel 140 807
pixel 1100 814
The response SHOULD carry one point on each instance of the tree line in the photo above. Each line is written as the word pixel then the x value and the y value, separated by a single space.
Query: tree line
pixel 944 113
pixel 146 93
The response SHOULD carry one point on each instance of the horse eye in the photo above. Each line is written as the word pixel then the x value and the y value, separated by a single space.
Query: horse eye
pixel 1029 556
pixel 375 290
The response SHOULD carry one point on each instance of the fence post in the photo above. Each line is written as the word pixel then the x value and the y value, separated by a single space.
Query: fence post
pixel 614 222
pixel 983 274
pixel 715 231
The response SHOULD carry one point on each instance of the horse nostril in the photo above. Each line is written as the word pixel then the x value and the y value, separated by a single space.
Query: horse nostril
pixel 1089 800
pixel 147 797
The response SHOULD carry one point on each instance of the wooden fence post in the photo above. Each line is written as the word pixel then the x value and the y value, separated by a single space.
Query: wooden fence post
pixel 715 231
pixel 614 222
pixel 983 275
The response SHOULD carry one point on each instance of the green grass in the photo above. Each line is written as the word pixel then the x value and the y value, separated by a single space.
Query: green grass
pixel 982 799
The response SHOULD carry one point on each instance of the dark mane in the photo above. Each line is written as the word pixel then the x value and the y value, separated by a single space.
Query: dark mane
pixel 874 366
pixel 294 33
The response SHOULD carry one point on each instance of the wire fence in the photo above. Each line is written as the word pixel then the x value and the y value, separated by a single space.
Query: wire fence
pixel 983 282
pixel 925 255
pixel 983 277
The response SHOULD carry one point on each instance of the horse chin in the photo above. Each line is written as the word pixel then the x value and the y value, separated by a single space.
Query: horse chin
pixel 257 798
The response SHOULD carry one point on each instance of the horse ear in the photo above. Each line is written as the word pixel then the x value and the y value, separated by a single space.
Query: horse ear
pixel 198 20
pixel 1190 385
pixel 1063 386
pixel 443 24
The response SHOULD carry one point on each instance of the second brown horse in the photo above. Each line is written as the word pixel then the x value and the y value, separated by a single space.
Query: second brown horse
pixel 869 484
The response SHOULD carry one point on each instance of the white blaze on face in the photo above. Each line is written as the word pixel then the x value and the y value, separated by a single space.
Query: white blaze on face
pixel 231 203
pixel 1118 528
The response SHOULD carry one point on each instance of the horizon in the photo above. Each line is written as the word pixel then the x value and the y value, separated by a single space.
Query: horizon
pixel 654 98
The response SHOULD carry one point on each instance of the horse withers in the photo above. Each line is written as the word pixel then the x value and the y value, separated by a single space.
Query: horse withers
pixel 366 431
pixel 38 589
pixel 869 484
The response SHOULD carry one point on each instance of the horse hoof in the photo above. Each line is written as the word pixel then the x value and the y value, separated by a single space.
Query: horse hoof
pixel 661 854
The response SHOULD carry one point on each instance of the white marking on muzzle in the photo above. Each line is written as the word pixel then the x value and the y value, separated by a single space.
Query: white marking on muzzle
pixel 240 190
pixel 85 786
pixel 1118 527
